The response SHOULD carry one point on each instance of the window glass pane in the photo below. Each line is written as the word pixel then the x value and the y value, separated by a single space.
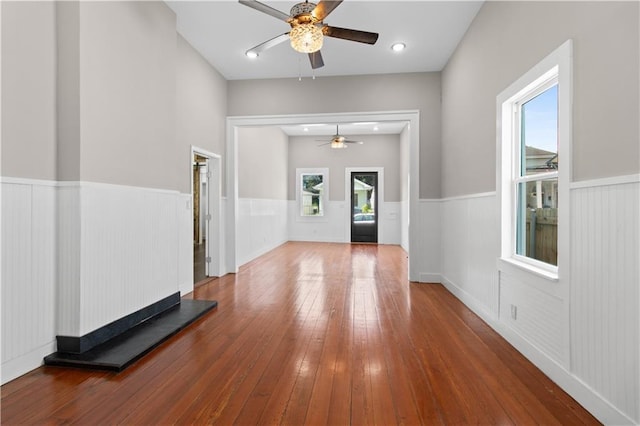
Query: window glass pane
pixel 537 220
pixel 312 186
pixel 539 137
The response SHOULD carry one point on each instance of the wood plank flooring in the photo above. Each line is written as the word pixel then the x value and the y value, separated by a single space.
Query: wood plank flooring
pixel 311 334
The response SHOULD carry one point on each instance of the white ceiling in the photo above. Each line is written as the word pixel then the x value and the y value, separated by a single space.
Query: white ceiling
pixel 223 30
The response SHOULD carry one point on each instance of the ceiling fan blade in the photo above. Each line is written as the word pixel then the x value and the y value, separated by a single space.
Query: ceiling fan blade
pixel 358 142
pixel 324 8
pixel 323 144
pixel 353 35
pixel 316 60
pixel 269 43
pixel 265 9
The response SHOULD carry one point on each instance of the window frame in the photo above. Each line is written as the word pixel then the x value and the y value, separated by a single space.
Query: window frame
pixel 556 68
pixel 324 196
pixel 541 85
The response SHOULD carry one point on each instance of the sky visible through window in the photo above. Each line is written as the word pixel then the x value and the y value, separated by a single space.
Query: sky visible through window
pixel 541 112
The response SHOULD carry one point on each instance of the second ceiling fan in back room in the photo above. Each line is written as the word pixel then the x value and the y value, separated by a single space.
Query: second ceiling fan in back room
pixel 338 141
pixel 307 29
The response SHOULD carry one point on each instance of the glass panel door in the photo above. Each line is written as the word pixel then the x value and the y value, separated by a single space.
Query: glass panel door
pixel 364 207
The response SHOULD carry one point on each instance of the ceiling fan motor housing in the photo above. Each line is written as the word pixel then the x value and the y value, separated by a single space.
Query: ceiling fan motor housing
pixel 301 12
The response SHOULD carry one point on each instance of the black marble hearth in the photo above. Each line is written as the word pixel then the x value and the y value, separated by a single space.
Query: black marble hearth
pixel 131 343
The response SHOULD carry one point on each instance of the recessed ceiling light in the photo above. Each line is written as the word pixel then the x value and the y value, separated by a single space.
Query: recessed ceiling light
pixel 398 47
pixel 306 129
pixel 251 54
pixel 375 129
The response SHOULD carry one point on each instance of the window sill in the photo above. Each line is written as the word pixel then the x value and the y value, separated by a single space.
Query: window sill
pixel 510 264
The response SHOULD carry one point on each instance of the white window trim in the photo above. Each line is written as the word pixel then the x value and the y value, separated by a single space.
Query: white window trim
pixel 325 194
pixel 557 65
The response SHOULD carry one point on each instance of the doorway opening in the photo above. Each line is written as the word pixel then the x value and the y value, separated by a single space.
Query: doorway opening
pixel 201 217
pixel 410 202
pixel 206 192
pixel 364 207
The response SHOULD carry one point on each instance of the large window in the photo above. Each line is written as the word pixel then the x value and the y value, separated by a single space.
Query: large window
pixel 534 134
pixel 536 180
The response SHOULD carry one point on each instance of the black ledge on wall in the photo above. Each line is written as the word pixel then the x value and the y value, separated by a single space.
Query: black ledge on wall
pixel 120 343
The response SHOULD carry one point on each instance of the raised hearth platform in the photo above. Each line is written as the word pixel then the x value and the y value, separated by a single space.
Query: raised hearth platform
pixel 119 352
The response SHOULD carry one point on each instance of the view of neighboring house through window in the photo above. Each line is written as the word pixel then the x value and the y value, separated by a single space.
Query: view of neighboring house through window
pixel 312 186
pixel 536 179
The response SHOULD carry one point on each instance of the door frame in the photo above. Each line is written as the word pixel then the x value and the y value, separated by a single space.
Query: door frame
pixel 214 195
pixel 379 199
pixel 412 156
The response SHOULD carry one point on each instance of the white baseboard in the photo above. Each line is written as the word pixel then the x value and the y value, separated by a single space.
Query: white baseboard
pixel 14 368
pixel 430 278
pixel 262 250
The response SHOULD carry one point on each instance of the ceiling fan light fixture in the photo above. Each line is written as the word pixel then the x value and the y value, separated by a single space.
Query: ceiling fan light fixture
pixel 338 144
pixel 306 38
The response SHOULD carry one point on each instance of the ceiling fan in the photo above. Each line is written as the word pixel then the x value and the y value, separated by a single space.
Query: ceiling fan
pixel 339 141
pixel 307 29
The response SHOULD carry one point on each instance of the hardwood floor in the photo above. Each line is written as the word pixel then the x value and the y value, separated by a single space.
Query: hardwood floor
pixel 311 334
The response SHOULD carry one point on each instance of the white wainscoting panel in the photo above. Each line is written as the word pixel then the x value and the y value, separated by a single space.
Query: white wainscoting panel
pixel 226 246
pixel 68 257
pixel 184 214
pixel 469 235
pixel 329 229
pixel 391 221
pixel 538 315
pixel 28 275
pixel 430 241
pixel 605 292
pixel 129 250
pixel 334 226
pixel 262 226
pixel 404 225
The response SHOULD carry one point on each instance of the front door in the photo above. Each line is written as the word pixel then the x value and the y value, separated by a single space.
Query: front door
pixel 364 207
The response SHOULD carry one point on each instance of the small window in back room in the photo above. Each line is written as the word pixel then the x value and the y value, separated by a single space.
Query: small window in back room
pixel 311 189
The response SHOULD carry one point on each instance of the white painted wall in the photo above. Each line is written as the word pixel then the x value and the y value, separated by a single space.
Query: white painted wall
pixel 334 227
pixel 599 363
pixel 605 291
pixel 118 245
pixel 28 290
pixel 125 245
pixel 404 189
pixel 263 227
pixel 582 331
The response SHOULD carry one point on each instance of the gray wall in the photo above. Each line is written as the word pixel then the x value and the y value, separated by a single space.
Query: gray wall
pixel 262 163
pixel 389 92
pixel 81 101
pixel 128 94
pixel 377 151
pixel 28 90
pixel 508 38
pixel 68 103
pixel 201 110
